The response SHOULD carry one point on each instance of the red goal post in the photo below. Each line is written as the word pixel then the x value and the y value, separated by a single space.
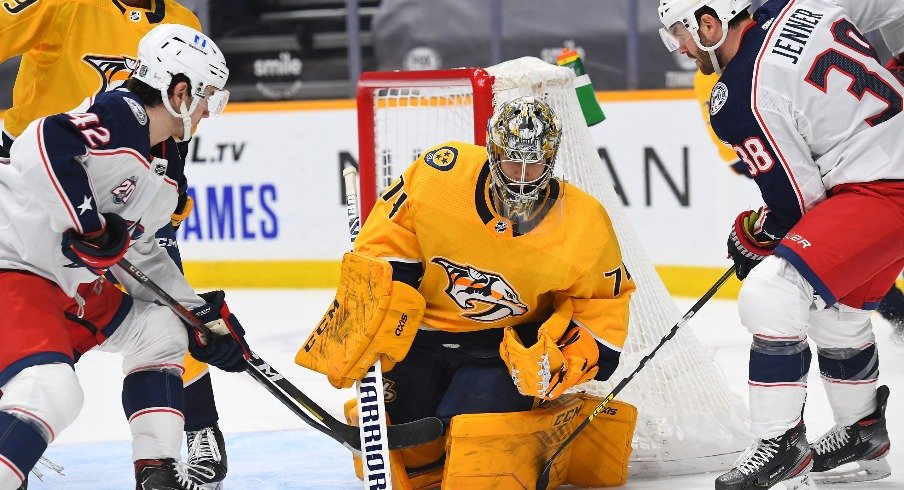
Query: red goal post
pixel 406 89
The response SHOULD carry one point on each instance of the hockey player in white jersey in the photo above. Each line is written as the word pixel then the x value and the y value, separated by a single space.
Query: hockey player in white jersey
pixel 806 104
pixel 77 196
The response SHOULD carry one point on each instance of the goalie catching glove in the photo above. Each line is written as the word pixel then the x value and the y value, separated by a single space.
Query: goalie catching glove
pixel 372 317
pixel 228 350
pixel 550 367
pixel 748 244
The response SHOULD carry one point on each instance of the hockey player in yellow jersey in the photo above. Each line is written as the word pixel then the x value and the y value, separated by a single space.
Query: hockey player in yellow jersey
pixel 507 289
pixel 73 49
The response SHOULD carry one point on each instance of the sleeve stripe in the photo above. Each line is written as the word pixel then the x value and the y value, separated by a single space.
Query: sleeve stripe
pixel 56 184
pixel 762 122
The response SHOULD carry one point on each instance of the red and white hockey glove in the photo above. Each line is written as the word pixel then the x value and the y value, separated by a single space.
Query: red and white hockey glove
pixel 896 66
pixel 101 250
pixel 748 244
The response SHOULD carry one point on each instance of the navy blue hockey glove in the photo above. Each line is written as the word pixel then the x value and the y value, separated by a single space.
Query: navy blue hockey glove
pixel 99 251
pixel 748 244
pixel 228 350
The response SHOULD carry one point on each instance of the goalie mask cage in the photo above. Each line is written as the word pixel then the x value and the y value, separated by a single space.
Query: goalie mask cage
pixel 689 421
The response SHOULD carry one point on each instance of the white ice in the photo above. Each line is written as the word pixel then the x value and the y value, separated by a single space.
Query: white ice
pixel 270 448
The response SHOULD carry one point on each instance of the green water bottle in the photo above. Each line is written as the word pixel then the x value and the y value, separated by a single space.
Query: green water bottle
pixel 593 114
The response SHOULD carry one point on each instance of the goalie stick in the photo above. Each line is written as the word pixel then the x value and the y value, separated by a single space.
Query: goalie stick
pixel 398 436
pixel 369 390
pixel 543 479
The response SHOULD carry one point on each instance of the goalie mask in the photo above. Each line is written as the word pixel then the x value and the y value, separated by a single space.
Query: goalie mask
pixel 679 20
pixel 523 138
pixel 170 49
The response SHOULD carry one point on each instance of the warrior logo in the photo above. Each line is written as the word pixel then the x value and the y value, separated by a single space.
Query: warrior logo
pixel 468 286
pixel 113 70
pixel 123 191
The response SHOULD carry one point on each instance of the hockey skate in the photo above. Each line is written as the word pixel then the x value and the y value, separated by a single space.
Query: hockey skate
pixel 857 452
pixel 162 474
pixel 207 457
pixel 785 459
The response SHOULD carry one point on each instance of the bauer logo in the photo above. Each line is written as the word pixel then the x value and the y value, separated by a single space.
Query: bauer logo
pixel 718 98
pixel 200 41
pixel 471 288
pixel 442 158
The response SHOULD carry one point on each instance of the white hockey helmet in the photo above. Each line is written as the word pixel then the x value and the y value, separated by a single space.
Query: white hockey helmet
pixel 171 49
pixel 676 13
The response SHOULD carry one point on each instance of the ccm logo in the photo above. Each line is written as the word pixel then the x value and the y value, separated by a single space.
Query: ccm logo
pixel 401 326
pixel 804 243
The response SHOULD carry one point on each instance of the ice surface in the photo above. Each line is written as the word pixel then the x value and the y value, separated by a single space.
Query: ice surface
pixel 270 448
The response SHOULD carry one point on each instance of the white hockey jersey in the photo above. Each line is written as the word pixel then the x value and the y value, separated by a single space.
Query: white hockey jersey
pixel 807 104
pixel 67 169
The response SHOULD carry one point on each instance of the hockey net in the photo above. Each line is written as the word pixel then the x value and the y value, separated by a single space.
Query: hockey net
pixel 689 421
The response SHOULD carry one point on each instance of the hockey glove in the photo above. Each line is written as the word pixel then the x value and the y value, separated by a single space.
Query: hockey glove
pixel 581 354
pixel 748 244
pixel 228 350
pixel 183 209
pixel 100 250
pixel 896 66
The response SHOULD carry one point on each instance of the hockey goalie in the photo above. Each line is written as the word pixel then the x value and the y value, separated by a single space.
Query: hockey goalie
pixel 488 288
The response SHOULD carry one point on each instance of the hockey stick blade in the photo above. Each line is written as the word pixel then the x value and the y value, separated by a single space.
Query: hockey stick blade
pixel 543 479
pixel 399 436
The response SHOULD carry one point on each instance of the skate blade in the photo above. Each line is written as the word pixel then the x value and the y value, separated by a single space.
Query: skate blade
pixel 802 482
pixel 859 471
pixel 218 485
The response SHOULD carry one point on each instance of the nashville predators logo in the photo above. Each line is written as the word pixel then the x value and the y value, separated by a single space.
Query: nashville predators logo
pixel 442 158
pixel 468 287
pixel 113 70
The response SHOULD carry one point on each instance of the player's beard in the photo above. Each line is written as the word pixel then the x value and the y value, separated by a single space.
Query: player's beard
pixel 704 62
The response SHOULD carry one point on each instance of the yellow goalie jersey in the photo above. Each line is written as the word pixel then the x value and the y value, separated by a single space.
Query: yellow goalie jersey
pixel 73 49
pixel 478 272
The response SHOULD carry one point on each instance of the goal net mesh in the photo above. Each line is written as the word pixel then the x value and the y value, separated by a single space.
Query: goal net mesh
pixel 688 419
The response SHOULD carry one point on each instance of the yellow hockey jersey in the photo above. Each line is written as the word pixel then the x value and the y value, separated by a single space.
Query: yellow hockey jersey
pixel 478 272
pixel 72 49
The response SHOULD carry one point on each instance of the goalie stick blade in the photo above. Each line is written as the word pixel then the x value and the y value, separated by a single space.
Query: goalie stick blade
pixel 406 435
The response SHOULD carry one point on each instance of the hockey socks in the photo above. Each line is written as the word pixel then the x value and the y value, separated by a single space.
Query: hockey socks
pixel 200 406
pixel 153 403
pixel 21 445
pixel 778 384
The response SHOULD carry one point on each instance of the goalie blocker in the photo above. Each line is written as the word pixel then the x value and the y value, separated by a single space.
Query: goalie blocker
pixel 507 450
pixel 371 317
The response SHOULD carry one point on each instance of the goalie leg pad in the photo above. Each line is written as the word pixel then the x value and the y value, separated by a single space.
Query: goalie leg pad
pixel 371 316
pixel 599 455
pixel 424 473
pixel 526 440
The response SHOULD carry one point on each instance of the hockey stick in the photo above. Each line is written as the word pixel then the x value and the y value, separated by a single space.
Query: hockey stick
pixel 399 436
pixel 543 479
pixel 371 404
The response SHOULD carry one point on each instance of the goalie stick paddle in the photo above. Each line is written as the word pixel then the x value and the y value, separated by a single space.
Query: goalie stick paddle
pixel 543 479
pixel 399 436
pixel 369 389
